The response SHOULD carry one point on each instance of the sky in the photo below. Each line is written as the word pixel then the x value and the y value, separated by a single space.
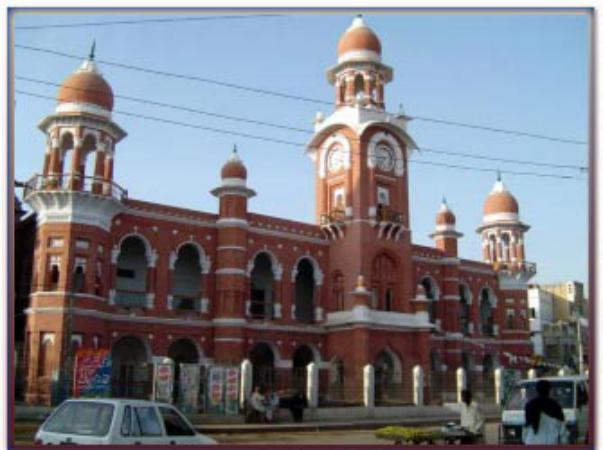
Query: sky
pixel 525 72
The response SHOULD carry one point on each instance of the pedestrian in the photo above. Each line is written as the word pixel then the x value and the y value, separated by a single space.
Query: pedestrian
pixel 257 402
pixel 297 404
pixel 472 419
pixel 545 422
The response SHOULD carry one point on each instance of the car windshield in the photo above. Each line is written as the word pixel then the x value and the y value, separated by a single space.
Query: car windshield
pixel 82 418
pixel 562 391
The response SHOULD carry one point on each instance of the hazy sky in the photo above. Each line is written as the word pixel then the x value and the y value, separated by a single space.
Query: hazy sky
pixel 516 71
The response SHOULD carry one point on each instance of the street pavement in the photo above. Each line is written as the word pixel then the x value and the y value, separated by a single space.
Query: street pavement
pixel 341 437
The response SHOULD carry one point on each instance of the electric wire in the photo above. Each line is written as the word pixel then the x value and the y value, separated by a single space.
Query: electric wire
pixel 299 97
pixel 303 145
pixel 296 129
pixel 145 21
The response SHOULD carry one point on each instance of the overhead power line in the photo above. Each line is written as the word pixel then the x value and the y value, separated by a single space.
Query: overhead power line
pixel 299 97
pixel 297 129
pixel 146 21
pixel 303 145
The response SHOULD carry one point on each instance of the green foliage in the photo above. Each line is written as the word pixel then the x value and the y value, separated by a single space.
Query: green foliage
pixel 408 434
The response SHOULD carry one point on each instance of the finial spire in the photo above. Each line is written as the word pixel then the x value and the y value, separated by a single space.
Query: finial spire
pixel 498 177
pixel 234 148
pixel 444 200
pixel 91 56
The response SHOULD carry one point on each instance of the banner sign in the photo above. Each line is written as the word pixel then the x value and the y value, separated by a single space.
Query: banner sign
pixel 92 373
pixel 215 392
pixel 188 394
pixel 231 400
pixel 163 382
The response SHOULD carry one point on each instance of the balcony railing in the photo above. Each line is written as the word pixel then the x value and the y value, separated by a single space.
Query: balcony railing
pixel 335 216
pixel 186 303
pixel 515 266
pixel 74 182
pixel 388 215
pixel 261 310
pixel 131 299
pixel 305 313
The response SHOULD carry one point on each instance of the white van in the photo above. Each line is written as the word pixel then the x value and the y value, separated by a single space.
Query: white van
pixel 572 394
pixel 118 421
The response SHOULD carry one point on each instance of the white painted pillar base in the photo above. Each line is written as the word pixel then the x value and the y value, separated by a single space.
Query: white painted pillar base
pixel 417 385
pixel 461 383
pixel 312 385
pixel 531 374
pixel 246 381
pixel 498 384
pixel 368 391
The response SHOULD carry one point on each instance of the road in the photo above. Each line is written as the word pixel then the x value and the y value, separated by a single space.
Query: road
pixel 342 437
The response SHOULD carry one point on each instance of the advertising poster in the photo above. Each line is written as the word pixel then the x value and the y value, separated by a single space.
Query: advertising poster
pixel 189 387
pixel 163 380
pixel 92 373
pixel 231 400
pixel 215 391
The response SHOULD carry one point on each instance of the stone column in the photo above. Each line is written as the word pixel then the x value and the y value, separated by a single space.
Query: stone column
pixel 312 385
pixel 417 385
pixel 246 382
pixel 98 170
pixel 368 387
pixel 461 383
pixel 108 174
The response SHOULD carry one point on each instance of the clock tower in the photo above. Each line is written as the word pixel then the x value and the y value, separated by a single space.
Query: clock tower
pixel 361 154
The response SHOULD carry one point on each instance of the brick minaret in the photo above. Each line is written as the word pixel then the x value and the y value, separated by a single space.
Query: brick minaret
pixel 75 199
pixel 231 281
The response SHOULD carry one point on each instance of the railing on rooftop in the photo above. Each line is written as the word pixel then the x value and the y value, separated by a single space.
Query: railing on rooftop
pixel 388 215
pixel 74 182
pixel 334 216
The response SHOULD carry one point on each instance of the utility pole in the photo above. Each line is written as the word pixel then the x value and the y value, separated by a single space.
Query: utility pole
pixel 580 350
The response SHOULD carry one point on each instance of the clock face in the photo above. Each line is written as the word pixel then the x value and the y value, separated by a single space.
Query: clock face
pixel 385 158
pixel 336 159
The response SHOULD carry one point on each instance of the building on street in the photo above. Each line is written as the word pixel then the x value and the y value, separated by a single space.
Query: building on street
pixel 150 281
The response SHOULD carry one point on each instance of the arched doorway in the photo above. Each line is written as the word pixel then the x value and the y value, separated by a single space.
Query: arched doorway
pixel 262 287
pixel 182 351
pixel 388 377
pixel 304 291
pixel 131 373
pixel 261 357
pixel 302 356
pixel 464 311
pixel 467 365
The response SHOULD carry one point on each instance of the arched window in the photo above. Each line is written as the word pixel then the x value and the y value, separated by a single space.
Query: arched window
pixel 486 312
pixel 492 248
pixel 431 292
pixel 358 85
pixel 304 291
pixel 262 287
pixel 384 282
pixel 506 247
pixel 186 284
pixel 89 156
pixel 67 149
pixel 54 263
pixel 464 312
pixel 342 90
pixel 45 355
pixel 131 282
pixel 388 377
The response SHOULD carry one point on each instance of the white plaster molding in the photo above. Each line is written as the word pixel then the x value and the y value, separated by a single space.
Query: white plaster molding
pixel 228 339
pixel 363 315
pixel 236 248
pixel 231 222
pixel 329 143
pixel 318 313
pixel 150 300
pixel 231 271
pixel 73 107
pixel 204 305
pixel 173 259
pixel 112 297
pixel 278 310
pixel 393 143
pixel 359 55
pixel 238 182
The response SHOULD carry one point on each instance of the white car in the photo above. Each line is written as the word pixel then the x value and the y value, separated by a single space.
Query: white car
pixel 118 421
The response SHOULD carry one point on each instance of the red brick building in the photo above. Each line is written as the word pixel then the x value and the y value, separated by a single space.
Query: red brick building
pixel 150 280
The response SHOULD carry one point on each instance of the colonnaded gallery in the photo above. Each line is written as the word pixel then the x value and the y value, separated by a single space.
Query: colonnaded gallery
pixel 152 281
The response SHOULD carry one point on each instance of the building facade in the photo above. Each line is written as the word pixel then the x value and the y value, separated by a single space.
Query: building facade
pixel 559 324
pixel 151 281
